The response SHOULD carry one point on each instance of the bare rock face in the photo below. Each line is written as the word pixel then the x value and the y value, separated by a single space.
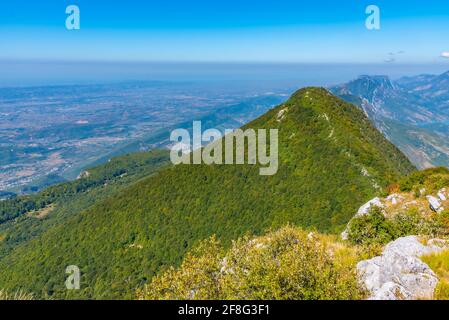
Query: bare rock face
pixel 399 274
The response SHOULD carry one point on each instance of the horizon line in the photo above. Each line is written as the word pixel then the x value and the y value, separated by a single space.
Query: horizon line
pixel 237 62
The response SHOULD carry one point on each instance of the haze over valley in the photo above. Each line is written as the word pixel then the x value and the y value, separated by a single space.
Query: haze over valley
pixel 51 133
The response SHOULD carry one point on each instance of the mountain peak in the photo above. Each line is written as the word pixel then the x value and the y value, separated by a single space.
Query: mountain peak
pixel 444 75
pixel 331 160
pixel 322 102
pixel 308 91
pixel 366 86
pixel 377 81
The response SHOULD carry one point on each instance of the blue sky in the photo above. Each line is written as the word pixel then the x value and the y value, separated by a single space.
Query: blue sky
pixel 412 31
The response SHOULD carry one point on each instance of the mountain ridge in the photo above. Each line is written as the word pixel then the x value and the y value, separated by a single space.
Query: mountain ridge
pixel 411 113
pixel 331 160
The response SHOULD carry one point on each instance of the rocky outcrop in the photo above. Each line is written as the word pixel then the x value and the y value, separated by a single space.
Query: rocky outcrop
pixel 394 198
pixel 442 194
pixel 83 174
pixel 399 202
pixel 435 204
pixel 399 274
pixel 365 209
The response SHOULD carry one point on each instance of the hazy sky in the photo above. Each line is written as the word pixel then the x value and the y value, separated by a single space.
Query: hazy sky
pixel 412 31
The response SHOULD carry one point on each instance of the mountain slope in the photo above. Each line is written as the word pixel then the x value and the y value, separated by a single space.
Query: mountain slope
pixel 331 160
pixel 25 217
pixel 385 98
pixel 411 112
pixel 293 264
pixel 429 88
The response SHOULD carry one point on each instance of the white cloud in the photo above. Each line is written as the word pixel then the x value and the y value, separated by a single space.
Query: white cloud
pixel 445 54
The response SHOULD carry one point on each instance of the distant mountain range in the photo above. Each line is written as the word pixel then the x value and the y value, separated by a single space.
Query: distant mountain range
pixel 412 112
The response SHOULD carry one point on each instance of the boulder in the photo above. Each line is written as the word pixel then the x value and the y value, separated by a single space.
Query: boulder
pixel 345 234
pixel 399 274
pixel 391 291
pixel 434 204
pixel 365 209
pixel 442 194
pixel 394 198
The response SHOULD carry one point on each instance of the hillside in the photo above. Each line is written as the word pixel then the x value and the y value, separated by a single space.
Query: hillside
pixel 331 160
pixel 418 204
pixel 136 164
pixel 411 112
pixel 391 253
pixel 25 217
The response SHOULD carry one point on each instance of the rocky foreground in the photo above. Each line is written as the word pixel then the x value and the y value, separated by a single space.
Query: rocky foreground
pixel 399 273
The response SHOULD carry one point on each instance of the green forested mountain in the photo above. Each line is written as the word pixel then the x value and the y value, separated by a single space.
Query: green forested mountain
pixel 132 166
pixel 331 160
pixel 25 217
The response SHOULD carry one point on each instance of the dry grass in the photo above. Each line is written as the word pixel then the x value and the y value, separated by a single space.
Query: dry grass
pixel 439 263
pixel 407 202
pixel 18 295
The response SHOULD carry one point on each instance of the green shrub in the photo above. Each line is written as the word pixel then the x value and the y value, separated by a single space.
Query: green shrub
pixel 407 223
pixel 432 179
pixel 287 264
pixel 440 227
pixel 372 228
pixel 375 228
